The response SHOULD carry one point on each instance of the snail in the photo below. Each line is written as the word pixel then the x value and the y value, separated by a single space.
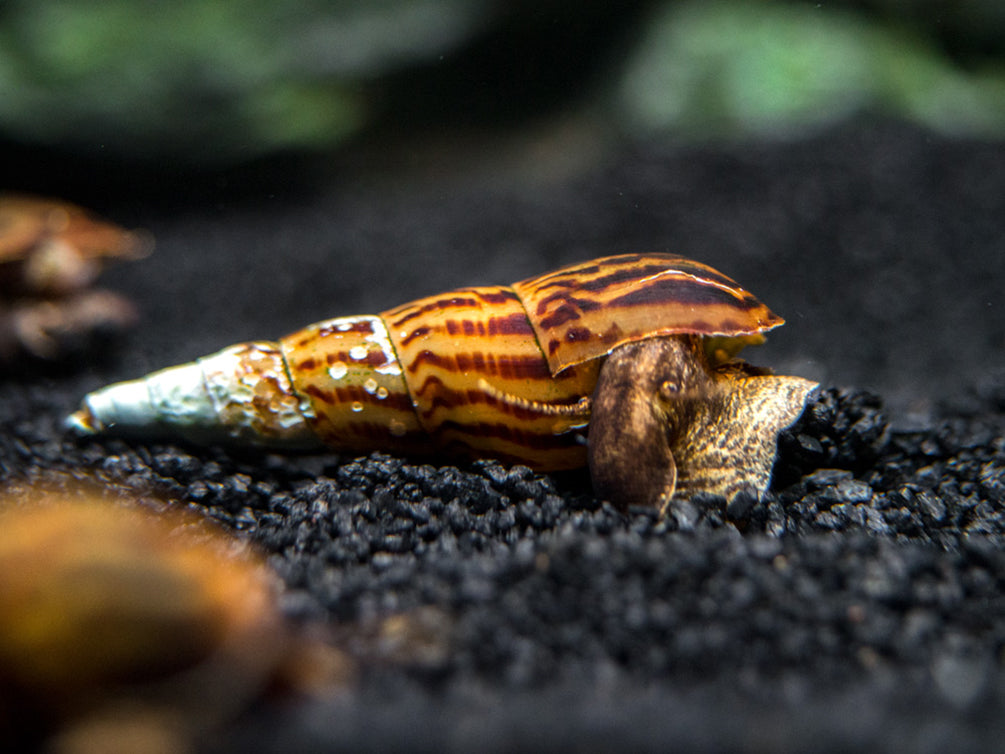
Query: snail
pixel 635 353
pixel 127 620
pixel 50 254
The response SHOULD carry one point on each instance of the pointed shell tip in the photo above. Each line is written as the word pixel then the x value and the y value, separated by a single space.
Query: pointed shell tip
pixel 82 423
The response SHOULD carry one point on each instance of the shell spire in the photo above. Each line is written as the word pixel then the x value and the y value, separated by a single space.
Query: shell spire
pixel 240 394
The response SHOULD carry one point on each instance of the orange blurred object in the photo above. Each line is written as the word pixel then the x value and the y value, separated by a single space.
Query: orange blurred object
pixel 49 246
pixel 50 253
pixel 105 607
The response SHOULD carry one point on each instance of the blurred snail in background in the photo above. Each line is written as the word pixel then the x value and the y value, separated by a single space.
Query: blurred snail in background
pixel 128 629
pixel 625 364
pixel 50 253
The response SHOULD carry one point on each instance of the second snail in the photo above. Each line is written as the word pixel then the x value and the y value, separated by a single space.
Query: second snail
pixel 625 364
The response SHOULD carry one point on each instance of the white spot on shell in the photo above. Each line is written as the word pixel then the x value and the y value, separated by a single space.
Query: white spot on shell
pixel 357 353
pixel 381 393
pixel 337 324
pixel 370 386
pixel 357 406
pixel 338 370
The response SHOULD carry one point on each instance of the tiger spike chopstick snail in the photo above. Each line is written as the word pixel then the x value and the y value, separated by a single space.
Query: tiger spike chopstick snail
pixel 635 351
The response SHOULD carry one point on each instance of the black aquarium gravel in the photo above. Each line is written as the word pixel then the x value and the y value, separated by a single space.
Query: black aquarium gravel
pixel 858 605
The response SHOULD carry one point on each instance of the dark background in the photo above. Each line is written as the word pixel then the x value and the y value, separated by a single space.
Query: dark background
pixel 878 235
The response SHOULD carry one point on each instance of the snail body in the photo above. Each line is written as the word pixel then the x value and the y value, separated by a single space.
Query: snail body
pixel 508 372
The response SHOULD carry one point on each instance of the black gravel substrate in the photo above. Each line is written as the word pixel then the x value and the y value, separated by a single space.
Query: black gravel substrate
pixel 858 606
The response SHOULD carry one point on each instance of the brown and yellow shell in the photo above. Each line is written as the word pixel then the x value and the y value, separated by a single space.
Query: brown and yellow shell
pixel 507 372
pixel 584 311
pixel 502 371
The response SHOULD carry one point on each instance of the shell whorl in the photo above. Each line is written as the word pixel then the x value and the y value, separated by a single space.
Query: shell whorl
pixel 462 353
pixel 585 310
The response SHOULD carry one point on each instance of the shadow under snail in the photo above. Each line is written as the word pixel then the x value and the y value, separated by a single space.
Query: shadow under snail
pixel 635 353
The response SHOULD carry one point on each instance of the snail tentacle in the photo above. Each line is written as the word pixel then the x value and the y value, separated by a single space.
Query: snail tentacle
pixel 643 399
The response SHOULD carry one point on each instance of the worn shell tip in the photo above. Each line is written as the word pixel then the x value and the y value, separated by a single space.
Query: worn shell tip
pixel 82 422
pixel 125 404
pixel 239 394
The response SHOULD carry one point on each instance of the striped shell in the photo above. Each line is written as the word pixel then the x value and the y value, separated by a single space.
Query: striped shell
pixel 496 371
pixel 585 310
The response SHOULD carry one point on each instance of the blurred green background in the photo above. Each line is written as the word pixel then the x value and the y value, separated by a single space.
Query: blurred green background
pixel 215 83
